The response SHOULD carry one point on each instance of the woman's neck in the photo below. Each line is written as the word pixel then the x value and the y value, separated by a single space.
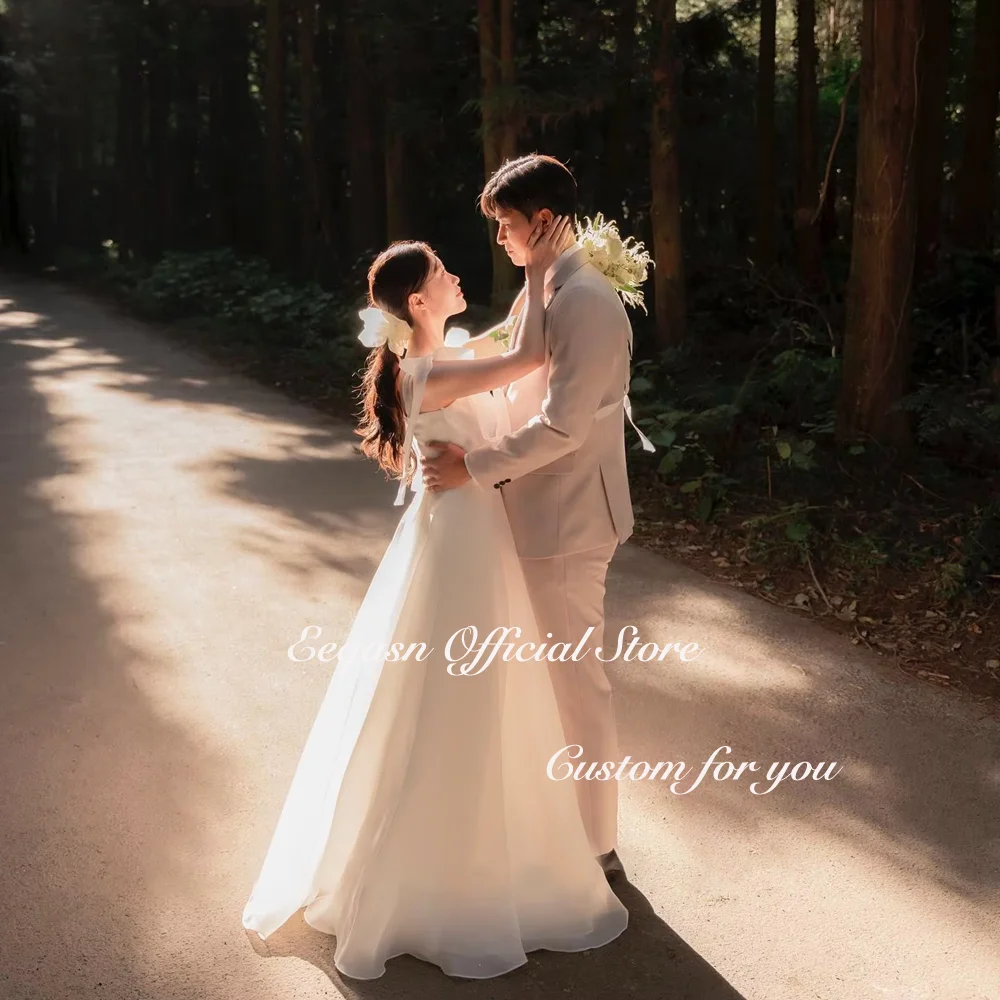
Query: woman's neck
pixel 428 336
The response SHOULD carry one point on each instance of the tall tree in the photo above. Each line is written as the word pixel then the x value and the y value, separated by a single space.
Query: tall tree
pixel 976 179
pixel 315 235
pixel 497 135
pixel 158 42
pixel 932 93
pixel 12 230
pixel 396 58
pixel 129 159
pixel 807 237
pixel 274 102
pixel 330 140
pixel 508 124
pixel 182 223
pixel 877 335
pixel 364 226
pixel 619 125
pixel 766 175
pixel 668 274
pixel 232 134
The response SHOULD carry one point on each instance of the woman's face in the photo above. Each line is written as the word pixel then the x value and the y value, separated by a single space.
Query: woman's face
pixel 441 295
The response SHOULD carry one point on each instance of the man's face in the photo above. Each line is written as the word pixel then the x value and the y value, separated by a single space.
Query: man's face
pixel 514 228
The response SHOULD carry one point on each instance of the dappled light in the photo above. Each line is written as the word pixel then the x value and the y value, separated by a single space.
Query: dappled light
pixel 176 529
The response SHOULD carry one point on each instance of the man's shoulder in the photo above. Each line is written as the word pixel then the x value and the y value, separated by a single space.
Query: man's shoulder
pixel 588 286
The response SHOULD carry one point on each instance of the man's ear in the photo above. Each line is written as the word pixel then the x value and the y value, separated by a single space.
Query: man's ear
pixel 543 215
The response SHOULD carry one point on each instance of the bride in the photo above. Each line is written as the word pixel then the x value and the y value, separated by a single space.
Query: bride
pixel 420 819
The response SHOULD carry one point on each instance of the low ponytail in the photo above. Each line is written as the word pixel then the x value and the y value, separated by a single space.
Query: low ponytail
pixel 395 275
pixel 382 423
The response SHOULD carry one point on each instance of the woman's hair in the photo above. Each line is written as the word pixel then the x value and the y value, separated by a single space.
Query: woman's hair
pixel 528 184
pixel 394 276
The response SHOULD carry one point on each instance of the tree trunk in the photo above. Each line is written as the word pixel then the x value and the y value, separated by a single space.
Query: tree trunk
pixel 877 335
pixel 931 98
pixel 42 180
pixel 330 141
pixel 489 67
pixel 71 103
pixel 976 179
pixel 665 210
pixel 397 222
pixel 807 240
pixel 828 213
pixel 764 253
pixel 364 226
pixel 221 193
pixel 233 136
pixel 129 151
pixel 158 101
pixel 13 233
pixel 509 125
pixel 618 127
pixel 315 235
pixel 504 275
pixel 184 223
pixel 275 104
pixel 397 69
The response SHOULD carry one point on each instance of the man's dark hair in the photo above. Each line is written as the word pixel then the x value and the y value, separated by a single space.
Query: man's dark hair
pixel 528 184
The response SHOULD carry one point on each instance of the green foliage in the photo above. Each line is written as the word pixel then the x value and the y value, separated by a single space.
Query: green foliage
pixel 964 423
pixel 239 291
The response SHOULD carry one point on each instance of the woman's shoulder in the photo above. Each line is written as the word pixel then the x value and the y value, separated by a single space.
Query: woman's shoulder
pixel 411 373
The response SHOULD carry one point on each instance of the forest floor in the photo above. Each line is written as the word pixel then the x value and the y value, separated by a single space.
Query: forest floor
pixel 950 641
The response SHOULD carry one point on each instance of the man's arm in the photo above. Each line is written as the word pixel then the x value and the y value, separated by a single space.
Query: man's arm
pixel 585 342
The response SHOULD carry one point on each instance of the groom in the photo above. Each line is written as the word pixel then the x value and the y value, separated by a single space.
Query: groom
pixel 562 469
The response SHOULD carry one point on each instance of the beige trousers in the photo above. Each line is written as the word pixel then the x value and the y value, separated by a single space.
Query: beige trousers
pixel 567 594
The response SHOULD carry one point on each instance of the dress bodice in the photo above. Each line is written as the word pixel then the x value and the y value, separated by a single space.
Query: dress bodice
pixel 469 422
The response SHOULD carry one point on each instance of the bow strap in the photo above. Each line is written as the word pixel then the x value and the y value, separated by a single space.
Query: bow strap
pixel 606 411
pixel 418 369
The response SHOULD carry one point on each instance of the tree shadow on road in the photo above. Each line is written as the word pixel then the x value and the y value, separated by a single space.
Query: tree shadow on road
pixel 918 784
pixel 106 796
pixel 920 792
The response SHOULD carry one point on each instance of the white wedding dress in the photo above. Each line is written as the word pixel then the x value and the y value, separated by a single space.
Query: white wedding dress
pixel 421 819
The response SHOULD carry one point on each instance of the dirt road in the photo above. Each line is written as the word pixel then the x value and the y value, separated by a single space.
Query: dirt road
pixel 166 532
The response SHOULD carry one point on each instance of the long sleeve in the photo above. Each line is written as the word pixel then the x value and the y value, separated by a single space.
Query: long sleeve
pixel 584 340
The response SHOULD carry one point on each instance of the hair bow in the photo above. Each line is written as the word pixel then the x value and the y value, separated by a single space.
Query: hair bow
pixel 381 327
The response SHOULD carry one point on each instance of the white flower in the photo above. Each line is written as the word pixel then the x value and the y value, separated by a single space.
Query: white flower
pixel 625 263
pixel 383 328
pixel 599 258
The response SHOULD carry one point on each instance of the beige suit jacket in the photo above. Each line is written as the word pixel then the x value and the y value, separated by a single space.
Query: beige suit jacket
pixel 561 471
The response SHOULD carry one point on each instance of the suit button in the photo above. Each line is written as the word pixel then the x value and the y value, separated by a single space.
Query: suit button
pixel 496 486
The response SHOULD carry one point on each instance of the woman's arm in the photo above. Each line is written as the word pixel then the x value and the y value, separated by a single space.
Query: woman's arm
pixel 451 380
pixel 486 345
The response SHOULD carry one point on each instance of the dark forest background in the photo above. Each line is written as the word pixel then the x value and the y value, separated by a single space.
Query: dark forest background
pixel 817 181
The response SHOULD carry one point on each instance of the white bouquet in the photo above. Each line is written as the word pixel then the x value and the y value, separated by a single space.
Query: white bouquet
pixel 625 263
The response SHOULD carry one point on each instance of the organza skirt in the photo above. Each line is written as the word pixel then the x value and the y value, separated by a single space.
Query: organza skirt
pixel 421 819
